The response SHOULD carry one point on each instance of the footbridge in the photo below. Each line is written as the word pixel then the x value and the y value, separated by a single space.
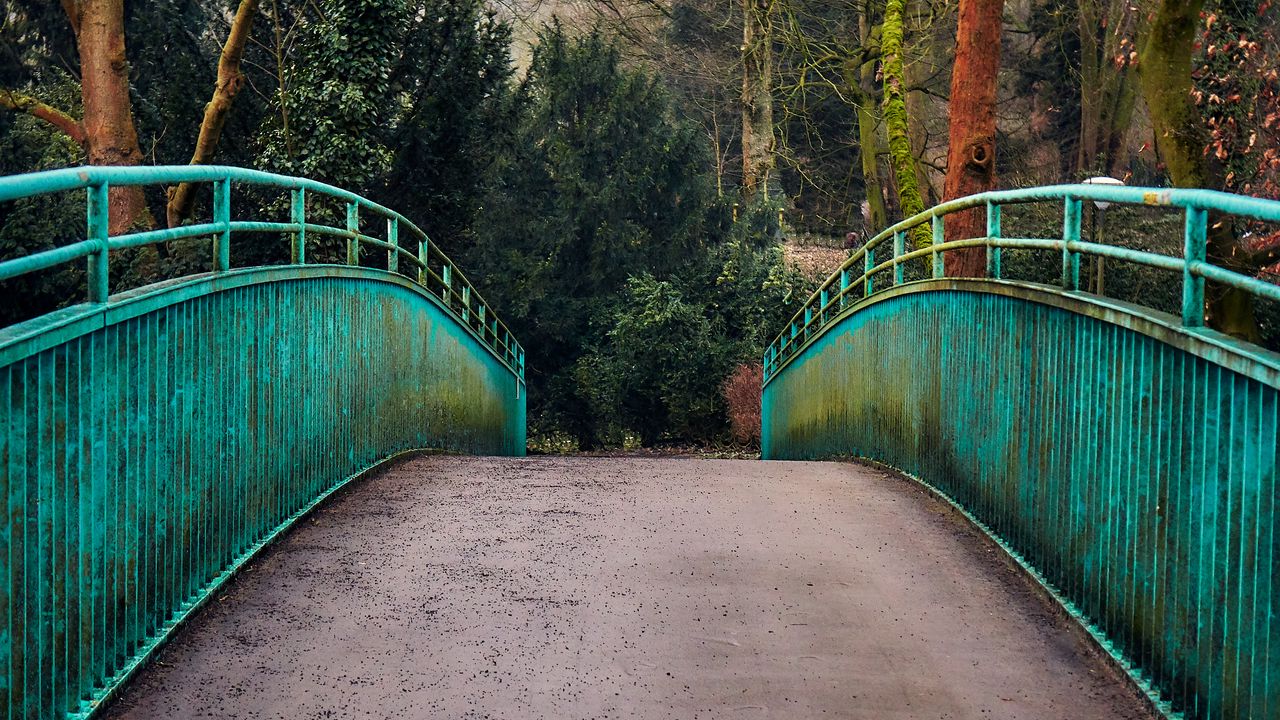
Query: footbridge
pixel 1069 513
pixel 1126 457
pixel 155 439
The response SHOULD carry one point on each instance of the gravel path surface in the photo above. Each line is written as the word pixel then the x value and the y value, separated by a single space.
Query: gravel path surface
pixel 454 587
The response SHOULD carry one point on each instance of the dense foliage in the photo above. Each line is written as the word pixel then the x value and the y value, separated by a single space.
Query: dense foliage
pixel 588 173
pixel 604 244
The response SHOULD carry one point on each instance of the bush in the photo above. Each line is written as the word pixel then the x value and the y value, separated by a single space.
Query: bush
pixel 741 391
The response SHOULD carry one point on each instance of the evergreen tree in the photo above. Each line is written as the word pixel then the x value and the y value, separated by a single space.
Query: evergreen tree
pixel 602 182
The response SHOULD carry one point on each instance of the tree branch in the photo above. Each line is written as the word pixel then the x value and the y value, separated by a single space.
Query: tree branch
pixel 230 81
pixel 21 102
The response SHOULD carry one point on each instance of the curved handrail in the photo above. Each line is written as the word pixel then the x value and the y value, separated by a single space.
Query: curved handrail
pixel 815 313
pixel 435 271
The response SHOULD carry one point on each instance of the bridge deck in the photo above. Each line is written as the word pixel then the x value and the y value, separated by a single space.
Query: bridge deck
pixel 451 587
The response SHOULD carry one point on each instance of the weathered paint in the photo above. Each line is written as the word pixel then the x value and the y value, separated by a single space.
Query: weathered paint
pixel 152 441
pixel 151 449
pixel 1194 270
pixel 1130 462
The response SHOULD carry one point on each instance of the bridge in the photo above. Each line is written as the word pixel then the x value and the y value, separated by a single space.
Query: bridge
pixel 1068 513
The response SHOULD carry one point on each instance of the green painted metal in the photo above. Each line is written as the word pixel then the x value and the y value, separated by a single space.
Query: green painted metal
pixel 1125 456
pixel 154 440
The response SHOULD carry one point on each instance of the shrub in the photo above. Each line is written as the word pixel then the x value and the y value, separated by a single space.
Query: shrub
pixel 741 391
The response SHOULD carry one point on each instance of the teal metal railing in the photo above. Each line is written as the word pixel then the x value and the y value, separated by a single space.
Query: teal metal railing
pixel 1126 457
pixel 855 279
pixel 422 259
pixel 152 441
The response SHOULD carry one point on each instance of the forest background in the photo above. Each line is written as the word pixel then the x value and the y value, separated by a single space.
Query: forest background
pixel 645 190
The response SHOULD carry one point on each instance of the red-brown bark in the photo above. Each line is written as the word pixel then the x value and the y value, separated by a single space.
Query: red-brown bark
pixel 104 88
pixel 971 154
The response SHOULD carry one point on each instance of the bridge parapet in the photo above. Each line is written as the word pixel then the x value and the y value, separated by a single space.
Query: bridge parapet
pixel 154 440
pixel 1126 457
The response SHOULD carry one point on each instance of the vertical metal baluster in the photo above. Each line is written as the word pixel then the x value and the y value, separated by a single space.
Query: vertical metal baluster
pixel 1070 235
pixel 1194 250
pixel 353 226
pixel 993 233
pixel 298 216
pixel 869 261
pixel 222 218
pixel 939 265
pixel 899 249
pixel 422 262
pixel 99 221
pixel 393 237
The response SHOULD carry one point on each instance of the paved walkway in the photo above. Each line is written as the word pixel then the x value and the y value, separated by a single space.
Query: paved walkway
pixel 450 587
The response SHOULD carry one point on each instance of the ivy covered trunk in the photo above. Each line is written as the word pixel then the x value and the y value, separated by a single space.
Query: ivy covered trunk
pixel 757 95
pixel 110 136
pixel 971 149
pixel 1165 71
pixel 901 159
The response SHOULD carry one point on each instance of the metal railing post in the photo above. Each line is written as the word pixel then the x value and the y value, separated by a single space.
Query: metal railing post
pixel 1195 240
pixel 1070 234
pixel 844 285
pixel 869 261
pixel 993 232
pixel 422 262
pixel 466 303
pixel 393 237
pixel 822 306
pixel 939 237
pixel 98 212
pixel 353 226
pixel 298 216
pixel 222 217
pixel 447 278
pixel 899 249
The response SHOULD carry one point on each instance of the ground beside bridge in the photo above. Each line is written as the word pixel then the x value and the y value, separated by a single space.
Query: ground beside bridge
pixel 457 587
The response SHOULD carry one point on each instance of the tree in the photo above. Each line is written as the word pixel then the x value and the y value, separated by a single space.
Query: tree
pixel 107 131
pixel 971 159
pixel 1181 139
pixel 340 96
pixel 601 182
pixel 229 82
pixel 1107 83
pixel 758 134
pixel 902 160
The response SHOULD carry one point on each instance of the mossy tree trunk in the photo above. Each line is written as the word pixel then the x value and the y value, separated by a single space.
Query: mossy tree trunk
pixel 971 149
pixel 1165 73
pixel 901 159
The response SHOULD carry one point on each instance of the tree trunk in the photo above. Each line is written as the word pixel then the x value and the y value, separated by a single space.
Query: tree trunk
pixel 230 81
pixel 1107 86
pixel 862 87
pixel 108 116
pixel 971 149
pixel 1165 72
pixel 757 96
pixel 901 160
